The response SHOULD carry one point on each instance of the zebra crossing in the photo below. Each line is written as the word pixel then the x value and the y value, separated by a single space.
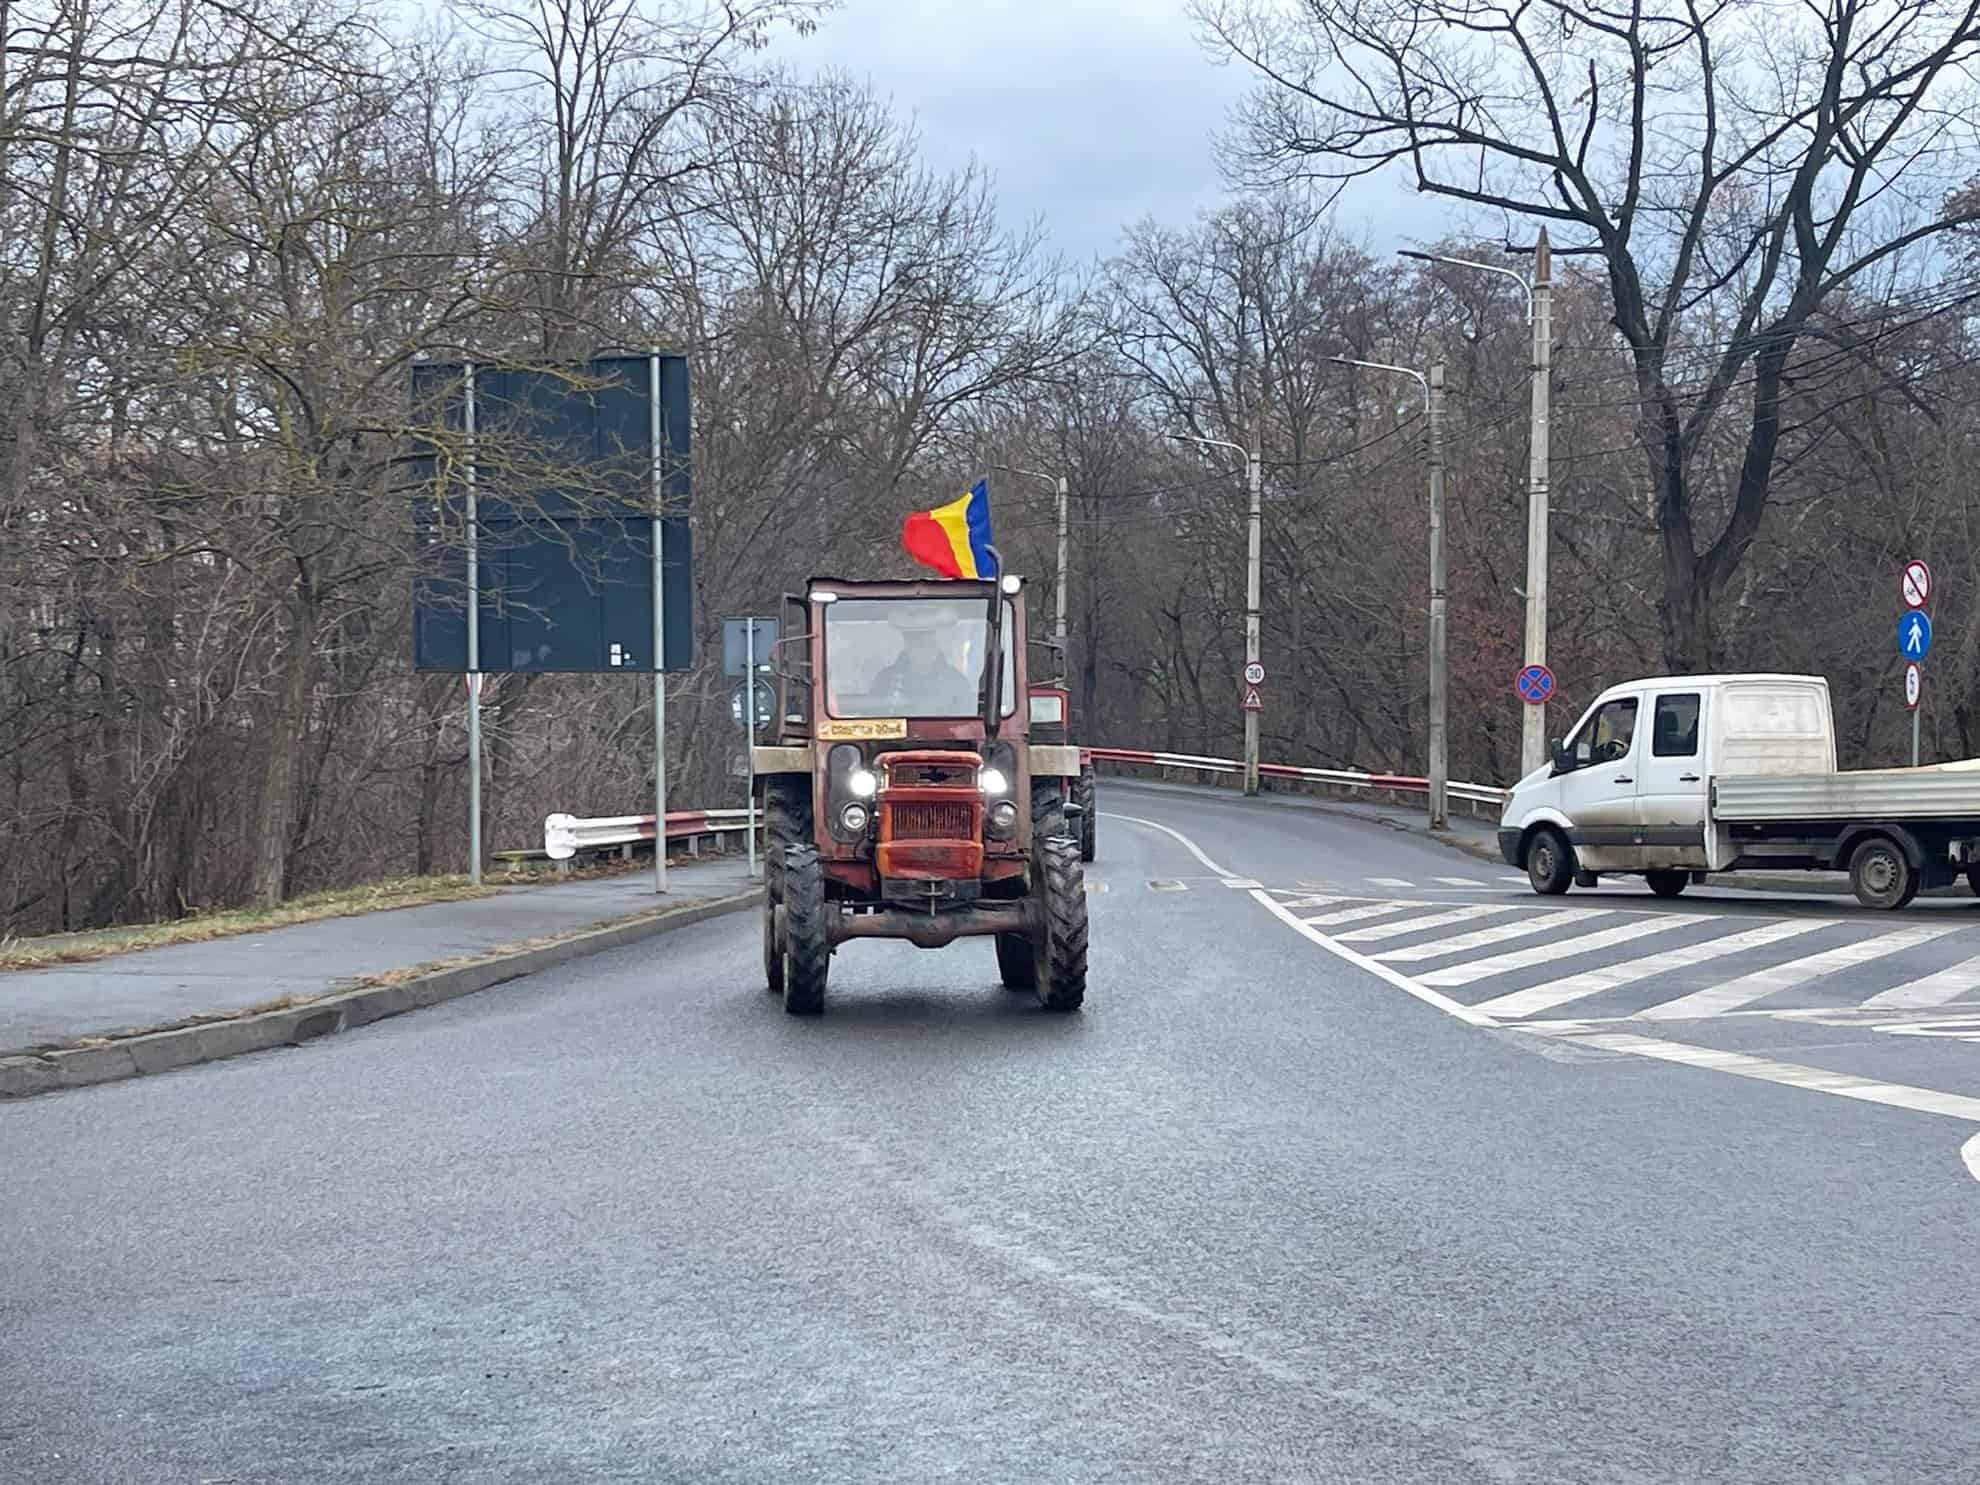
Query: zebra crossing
pixel 1515 959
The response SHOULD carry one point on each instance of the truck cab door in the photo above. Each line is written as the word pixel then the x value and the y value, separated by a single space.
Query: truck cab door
pixel 1598 794
pixel 1670 782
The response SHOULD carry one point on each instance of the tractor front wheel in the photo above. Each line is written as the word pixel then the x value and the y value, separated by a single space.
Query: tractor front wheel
pixel 807 950
pixel 1061 957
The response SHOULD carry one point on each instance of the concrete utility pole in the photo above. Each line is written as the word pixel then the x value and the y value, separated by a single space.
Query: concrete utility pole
pixel 1255 484
pixel 1433 401
pixel 1064 487
pixel 1540 315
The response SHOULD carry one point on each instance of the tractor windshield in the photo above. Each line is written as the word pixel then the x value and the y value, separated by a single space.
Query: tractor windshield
pixel 910 657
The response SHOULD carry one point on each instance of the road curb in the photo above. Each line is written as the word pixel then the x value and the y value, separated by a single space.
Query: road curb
pixel 25 1074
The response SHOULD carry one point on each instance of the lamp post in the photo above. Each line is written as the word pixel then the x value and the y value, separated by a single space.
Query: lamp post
pixel 1433 397
pixel 1254 479
pixel 1540 315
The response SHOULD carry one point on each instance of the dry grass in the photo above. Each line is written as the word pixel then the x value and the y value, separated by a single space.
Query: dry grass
pixel 77 948
pixel 344 902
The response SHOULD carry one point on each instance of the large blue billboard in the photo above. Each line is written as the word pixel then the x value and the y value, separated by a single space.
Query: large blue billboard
pixel 562 470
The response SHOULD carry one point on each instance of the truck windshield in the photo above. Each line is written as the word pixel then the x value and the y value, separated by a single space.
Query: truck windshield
pixel 910 657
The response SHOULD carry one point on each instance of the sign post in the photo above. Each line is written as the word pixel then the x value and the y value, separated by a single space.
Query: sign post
pixel 1914 638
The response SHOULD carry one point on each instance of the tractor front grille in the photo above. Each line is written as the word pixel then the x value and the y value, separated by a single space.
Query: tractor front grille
pixel 921 820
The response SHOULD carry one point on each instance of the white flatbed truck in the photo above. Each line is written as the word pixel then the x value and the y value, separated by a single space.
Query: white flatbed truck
pixel 1674 778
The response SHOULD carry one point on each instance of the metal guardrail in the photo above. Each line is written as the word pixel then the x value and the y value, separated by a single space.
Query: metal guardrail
pixel 1476 795
pixel 565 836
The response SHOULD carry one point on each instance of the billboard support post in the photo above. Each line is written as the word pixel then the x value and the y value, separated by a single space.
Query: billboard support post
pixel 473 640
pixel 659 641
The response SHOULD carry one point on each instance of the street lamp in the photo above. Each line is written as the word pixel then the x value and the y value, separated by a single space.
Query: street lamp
pixel 1433 399
pixel 1540 315
pixel 1254 471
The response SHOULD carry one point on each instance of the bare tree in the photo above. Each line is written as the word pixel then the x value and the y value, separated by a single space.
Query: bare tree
pixel 1738 168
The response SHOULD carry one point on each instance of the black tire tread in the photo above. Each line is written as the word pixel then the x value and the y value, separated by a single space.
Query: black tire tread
pixel 1668 881
pixel 1565 863
pixel 1908 881
pixel 1017 962
pixel 1082 794
pixel 1062 986
pixel 807 952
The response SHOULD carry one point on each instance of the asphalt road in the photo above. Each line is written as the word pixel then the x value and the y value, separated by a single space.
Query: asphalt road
pixel 1261 1213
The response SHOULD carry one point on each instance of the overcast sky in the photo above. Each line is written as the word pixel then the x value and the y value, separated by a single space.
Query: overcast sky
pixel 1092 113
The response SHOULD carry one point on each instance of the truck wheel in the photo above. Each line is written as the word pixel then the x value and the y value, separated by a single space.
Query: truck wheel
pixel 807 951
pixel 1550 864
pixel 1880 876
pixel 1017 962
pixel 1083 796
pixel 773 952
pixel 1062 957
pixel 1668 881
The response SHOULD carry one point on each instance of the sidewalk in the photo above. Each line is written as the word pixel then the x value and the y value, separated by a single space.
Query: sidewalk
pixel 148 988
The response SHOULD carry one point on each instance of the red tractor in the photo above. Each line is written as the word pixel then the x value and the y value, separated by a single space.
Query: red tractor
pixel 905 797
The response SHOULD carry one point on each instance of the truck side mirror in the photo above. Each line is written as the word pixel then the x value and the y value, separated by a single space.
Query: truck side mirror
pixel 1563 761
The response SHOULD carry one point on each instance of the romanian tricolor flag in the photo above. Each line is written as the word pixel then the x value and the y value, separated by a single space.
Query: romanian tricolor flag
pixel 954 539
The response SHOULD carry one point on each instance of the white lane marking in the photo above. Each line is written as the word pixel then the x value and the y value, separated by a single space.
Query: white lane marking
pixel 1934 989
pixel 1464 943
pixel 1315 901
pixel 1242 883
pixel 1788 1074
pixel 1591 982
pixel 1478 969
pixel 1365 910
pixel 1458 881
pixel 1389 882
pixel 1167 885
pixel 1417 925
pixel 1510 876
pixel 1792 1074
pixel 1765 982
pixel 1382 971
pixel 1093 886
pixel 1187 844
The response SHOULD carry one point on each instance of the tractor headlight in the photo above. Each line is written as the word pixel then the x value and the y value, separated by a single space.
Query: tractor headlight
pixel 862 783
pixel 1003 819
pixel 853 817
pixel 992 781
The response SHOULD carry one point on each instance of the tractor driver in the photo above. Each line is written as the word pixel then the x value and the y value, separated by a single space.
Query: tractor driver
pixel 929 673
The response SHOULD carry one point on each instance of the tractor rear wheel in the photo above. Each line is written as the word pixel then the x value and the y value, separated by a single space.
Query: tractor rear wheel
pixel 1048 815
pixel 807 950
pixel 1017 961
pixel 1082 794
pixel 1061 958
